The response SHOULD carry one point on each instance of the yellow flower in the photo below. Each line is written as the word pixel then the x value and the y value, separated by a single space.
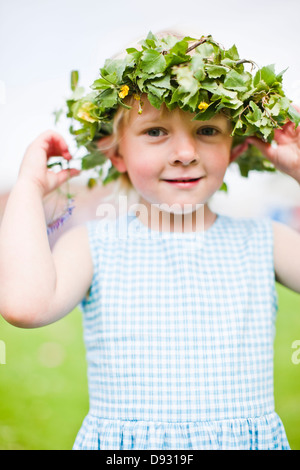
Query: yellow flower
pixel 203 106
pixel 136 97
pixel 84 111
pixel 124 91
pixel 92 182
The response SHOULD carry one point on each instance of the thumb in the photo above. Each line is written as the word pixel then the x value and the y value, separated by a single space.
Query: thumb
pixel 238 150
pixel 64 175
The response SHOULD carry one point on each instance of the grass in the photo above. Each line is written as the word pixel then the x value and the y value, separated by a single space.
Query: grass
pixel 43 385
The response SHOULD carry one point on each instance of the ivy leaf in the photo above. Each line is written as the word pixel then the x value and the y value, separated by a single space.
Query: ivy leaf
pixel 215 71
pixel 197 66
pixel 153 62
pixel 163 82
pixel 237 81
pixel 186 80
pixel 158 92
pixel 206 50
pixel 265 76
pixel 180 47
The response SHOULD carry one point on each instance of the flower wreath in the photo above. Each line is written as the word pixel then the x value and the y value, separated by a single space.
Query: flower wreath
pixel 196 75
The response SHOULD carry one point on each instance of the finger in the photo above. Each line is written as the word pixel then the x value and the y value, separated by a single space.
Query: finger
pixel 266 149
pixel 54 145
pixel 238 150
pixel 64 175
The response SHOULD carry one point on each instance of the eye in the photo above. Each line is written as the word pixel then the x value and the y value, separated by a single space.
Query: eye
pixel 155 132
pixel 208 131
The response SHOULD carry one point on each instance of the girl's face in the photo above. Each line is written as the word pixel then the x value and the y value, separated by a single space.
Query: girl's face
pixel 171 159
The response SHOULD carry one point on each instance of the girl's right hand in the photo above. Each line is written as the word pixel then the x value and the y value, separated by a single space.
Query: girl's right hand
pixel 34 164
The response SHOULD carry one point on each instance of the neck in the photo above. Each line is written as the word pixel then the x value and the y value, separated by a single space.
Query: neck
pixel 195 221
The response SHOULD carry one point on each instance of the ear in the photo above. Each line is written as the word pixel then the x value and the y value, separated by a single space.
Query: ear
pixel 111 150
pixel 238 150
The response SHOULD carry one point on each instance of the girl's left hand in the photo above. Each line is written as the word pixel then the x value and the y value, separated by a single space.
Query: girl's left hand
pixel 285 156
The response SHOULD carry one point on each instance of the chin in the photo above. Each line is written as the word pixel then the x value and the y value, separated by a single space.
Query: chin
pixel 179 208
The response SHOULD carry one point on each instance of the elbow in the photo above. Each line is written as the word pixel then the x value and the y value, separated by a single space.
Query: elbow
pixel 22 316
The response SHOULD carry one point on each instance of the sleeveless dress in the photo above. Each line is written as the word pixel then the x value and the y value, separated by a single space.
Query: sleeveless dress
pixel 179 331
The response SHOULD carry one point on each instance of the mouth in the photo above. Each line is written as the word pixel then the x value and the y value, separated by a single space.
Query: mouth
pixel 185 182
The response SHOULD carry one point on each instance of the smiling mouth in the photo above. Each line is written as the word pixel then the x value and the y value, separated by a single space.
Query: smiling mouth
pixel 183 180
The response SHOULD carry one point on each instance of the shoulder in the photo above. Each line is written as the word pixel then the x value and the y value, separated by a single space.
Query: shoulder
pixel 246 226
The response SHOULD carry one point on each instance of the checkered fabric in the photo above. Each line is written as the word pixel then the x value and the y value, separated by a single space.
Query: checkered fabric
pixel 179 331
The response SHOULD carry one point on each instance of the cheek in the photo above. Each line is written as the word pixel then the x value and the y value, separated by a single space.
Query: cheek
pixel 218 160
pixel 141 172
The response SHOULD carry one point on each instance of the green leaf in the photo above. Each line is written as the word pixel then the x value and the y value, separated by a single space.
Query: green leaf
pixel 158 92
pixel 92 160
pixel 232 53
pixel 209 113
pixel 153 62
pixel 177 96
pixel 186 80
pixel 101 84
pixel 108 98
pixel 74 79
pixel 110 79
pixel 113 68
pixel 224 187
pixel 256 115
pixel 134 54
pixel 266 76
pixel 215 71
pixel 112 175
pixel 238 125
pixel 197 66
pixel 57 115
pixel 191 101
pixel 155 101
pixel 236 81
pixel 163 82
pixel 206 50
pixel 179 48
pixel 279 76
pixel 294 115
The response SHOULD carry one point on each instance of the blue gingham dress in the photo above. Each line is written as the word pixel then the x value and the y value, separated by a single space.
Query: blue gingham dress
pixel 179 331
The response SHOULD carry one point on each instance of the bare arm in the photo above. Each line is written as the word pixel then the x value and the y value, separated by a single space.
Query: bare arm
pixel 287 256
pixel 34 283
pixel 286 158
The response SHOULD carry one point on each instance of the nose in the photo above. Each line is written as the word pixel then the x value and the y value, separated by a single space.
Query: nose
pixel 184 150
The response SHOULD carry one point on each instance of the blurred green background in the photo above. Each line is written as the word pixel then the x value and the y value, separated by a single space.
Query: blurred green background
pixel 43 385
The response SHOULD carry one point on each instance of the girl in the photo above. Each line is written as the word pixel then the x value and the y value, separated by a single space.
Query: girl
pixel 179 323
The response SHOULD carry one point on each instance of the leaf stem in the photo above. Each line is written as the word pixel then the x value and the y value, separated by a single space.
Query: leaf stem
pixel 198 43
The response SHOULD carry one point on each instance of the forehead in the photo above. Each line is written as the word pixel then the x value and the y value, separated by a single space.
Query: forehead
pixel 151 114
